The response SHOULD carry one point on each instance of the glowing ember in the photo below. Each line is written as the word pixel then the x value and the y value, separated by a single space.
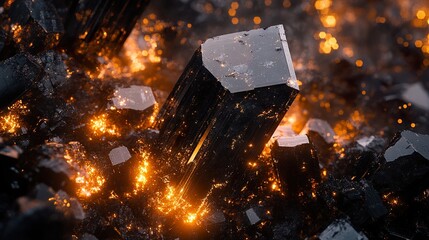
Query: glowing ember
pixel 142 173
pixel 10 122
pixel 101 126
pixel 87 178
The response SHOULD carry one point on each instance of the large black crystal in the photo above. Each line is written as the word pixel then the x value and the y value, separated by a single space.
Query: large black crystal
pixel 101 27
pixel 16 76
pixel 297 163
pixel 226 105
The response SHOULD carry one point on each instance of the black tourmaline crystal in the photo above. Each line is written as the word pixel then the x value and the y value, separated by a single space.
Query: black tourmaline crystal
pixel 226 105
pixel 16 76
pixel 36 25
pixel 407 164
pixel 297 163
pixel 101 27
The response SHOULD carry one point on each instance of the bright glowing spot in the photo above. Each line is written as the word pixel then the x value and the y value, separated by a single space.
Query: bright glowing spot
pixel 257 20
pixel 420 14
pixel 329 21
pixel 359 63
pixel 101 126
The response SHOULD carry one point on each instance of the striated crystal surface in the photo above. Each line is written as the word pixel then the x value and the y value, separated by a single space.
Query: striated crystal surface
pixel 101 27
pixel 226 105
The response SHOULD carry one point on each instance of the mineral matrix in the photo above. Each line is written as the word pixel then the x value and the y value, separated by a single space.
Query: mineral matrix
pixel 225 106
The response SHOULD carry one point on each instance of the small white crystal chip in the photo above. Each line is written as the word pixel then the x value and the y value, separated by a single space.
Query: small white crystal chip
pixel 293 141
pixel 135 97
pixel 252 216
pixel 119 155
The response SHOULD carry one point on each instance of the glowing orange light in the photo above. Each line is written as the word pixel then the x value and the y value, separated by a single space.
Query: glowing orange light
pixel 101 126
pixel 142 173
pixel 329 21
pixel 257 20
pixel 359 63
pixel 421 14
pixel 10 122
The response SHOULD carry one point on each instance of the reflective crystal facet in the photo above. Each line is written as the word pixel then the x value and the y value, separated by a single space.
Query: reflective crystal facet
pixel 226 105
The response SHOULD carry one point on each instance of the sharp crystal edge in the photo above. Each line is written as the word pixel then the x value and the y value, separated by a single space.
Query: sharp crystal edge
pixel 37 25
pixel 17 74
pixel 226 105
pixel 101 27
pixel 297 163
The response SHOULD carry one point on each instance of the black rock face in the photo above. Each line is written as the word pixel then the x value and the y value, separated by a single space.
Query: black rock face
pixel 226 105
pixel 101 27
pixel 297 163
pixel 17 74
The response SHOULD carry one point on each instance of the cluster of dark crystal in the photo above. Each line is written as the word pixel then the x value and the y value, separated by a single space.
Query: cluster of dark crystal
pixel 225 106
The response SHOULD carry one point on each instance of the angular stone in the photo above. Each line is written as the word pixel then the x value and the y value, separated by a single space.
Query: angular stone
pixel 216 217
pixel 252 217
pixel 296 163
pixel 55 72
pixel 321 135
pixel 361 158
pixel 37 25
pixel 359 200
pixel 100 27
pixel 17 74
pixel 341 230
pixel 407 165
pixel 321 127
pixel 226 105
pixel 417 95
pixel 407 144
pixel 136 98
pixel 119 155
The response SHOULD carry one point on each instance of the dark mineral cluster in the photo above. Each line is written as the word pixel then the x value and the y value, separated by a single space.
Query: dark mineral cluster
pixel 99 141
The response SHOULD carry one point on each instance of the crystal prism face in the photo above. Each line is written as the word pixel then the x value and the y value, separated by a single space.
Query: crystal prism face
pixel 119 155
pixel 208 129
pixel 244 61
pixel 296 163
pixel 407 144
pixel 136 98
pixel 45 15
pixel 320 127
pixel 16 76
pixel 341 230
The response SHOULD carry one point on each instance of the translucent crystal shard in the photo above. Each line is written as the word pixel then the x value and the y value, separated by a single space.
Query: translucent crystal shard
pixel 226 105
pixel 101 27
pixel 135 97
pixel 119 155
pixel 16 76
